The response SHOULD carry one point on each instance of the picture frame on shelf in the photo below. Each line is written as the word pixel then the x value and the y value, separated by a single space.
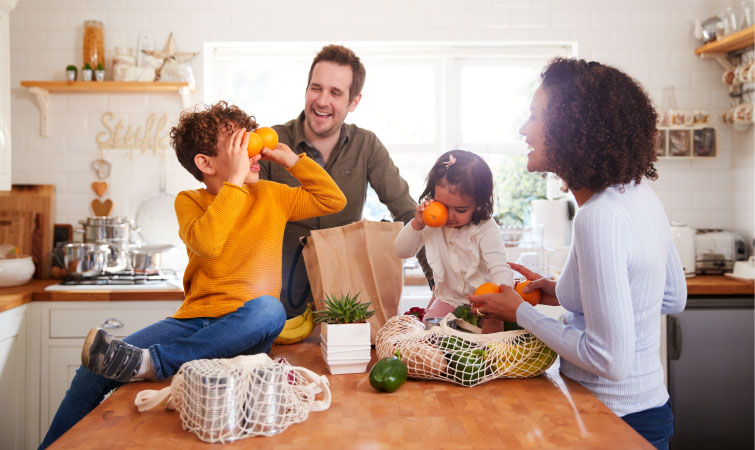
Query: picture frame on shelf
pixel 704 142
pixel 661 143
pixel 680 142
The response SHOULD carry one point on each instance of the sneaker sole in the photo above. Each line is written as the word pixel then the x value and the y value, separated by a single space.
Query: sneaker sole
pixel 87 347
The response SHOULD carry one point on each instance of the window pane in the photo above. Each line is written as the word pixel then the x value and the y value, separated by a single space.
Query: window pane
pixel 495 101
pixel 272 91
pixel 399 103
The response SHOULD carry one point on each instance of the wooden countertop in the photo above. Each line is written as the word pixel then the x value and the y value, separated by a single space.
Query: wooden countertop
pixel 548 411
pixel 34 290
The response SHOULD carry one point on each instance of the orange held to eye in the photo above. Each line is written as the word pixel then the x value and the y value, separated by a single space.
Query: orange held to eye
pixel 435 214
pixel 487 288
pixel 269 137
pixel 263 137
pixel 254 146
pixel 533 298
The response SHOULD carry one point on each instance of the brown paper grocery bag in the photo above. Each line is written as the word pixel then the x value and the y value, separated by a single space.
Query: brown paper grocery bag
pixel 358 257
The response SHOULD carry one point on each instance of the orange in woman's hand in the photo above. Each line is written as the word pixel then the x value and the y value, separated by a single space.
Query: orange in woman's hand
pixel 255 144
pixel 435 214
pixel 533 298
pixel 487 288
pixel 269 137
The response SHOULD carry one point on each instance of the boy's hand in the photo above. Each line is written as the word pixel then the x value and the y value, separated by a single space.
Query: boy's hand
pixel 417 222
pixel 282 154
pixel 238 158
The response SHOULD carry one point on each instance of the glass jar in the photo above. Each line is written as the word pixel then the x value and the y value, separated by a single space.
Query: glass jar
pixel 93 46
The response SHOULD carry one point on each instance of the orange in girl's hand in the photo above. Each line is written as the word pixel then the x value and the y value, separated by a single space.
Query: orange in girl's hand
pixel 533 298
pixel 254 145
pixel 487 288
pixel 269 137
pixel 435 214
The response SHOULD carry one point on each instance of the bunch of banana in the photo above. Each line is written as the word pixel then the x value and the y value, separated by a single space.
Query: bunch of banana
pixel 297 328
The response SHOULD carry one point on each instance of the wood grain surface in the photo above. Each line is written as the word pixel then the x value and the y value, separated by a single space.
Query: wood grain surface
pixel 548 411
pixel 39 199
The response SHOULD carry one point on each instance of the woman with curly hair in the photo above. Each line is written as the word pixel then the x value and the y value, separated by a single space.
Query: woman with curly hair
pixel 594 127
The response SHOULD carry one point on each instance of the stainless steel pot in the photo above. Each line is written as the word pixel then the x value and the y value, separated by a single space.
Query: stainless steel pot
pixel 148 259
pixel 100 228
pixel 84 259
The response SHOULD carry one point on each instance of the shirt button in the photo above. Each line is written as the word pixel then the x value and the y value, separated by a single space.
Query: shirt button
pixel 348 172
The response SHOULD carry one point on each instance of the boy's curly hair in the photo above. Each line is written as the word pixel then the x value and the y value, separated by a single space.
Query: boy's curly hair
pixel 470 174
pixel 600 125
pixel 197 132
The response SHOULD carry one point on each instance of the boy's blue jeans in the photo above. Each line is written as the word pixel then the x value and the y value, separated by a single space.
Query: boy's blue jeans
pixel 248 330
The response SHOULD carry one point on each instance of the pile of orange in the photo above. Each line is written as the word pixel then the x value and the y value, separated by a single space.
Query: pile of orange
pixel 533 298
pixel 435 214
pixel 262 137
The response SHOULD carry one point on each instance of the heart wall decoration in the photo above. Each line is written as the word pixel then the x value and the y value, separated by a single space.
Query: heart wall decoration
pixel 101 170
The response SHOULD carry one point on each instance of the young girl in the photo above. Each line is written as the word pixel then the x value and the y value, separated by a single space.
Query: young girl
pixel 468 250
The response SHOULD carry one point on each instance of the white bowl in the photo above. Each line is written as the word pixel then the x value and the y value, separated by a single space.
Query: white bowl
pixel 16 271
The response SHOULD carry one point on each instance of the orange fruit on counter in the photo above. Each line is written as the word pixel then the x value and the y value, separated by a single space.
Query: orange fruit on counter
pixel 254 145
pixel 533 298
pixel 269 137
pixel 487 288
pixel 435 214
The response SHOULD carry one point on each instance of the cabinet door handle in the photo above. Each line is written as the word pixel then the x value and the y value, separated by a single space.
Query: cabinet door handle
pixel 674 337
pixel 112 323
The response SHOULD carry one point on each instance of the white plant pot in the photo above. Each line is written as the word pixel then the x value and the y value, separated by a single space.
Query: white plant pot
pixel 345 347
pixel 86 75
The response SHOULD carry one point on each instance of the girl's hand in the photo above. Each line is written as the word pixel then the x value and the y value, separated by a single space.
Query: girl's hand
pixel 417 222
pixel 238 158
pixel 501 306
pixel 282 154
pixel 547 287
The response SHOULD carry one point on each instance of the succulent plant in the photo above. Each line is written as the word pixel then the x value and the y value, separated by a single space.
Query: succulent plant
pixel 87 66
pixel 100 66
pixel 71 67
pixel 343 309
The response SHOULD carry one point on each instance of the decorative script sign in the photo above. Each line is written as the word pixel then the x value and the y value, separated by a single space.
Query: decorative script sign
pixel 153 136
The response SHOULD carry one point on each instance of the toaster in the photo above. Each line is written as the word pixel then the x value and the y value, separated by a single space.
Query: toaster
pixel 716 251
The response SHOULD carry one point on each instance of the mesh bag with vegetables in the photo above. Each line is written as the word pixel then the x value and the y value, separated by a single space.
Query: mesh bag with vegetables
pixel 468 359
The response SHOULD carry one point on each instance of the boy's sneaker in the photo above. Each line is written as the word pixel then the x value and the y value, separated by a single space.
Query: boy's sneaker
pixel 110 357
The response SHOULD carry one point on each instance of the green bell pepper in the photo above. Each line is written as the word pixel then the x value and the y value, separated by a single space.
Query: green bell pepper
pixel 467 366
pixel 388 374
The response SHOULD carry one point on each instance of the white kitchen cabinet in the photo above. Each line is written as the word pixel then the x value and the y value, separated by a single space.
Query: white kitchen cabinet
pixel 13 378
pixel 61 331
pixel 5 145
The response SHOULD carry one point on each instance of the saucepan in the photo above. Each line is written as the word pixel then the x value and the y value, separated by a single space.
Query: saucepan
pixel 147 259
pixel 84 259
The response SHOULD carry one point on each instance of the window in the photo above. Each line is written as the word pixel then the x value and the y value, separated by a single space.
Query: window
pixel 421 99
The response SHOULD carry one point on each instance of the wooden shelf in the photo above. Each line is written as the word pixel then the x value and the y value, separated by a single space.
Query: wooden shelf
pixel 42 89
pixel 730 43
pixel 107 86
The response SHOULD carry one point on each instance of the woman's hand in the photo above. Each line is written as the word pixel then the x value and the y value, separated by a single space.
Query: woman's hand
pixel 547 287
pixel 417 222
pixel 238 157
pixel 282 154
pixel 502 305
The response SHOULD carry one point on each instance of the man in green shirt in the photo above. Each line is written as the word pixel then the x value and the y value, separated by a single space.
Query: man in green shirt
pixel 351 155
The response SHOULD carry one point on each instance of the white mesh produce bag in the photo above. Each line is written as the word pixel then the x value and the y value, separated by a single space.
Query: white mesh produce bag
pixel 443 353
pixel 222 400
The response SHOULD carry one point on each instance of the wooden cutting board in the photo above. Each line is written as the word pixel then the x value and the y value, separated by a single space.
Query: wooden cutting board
pixel 40 200
pixel 17 229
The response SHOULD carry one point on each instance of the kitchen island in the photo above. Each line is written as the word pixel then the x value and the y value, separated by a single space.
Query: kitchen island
pixel 548 411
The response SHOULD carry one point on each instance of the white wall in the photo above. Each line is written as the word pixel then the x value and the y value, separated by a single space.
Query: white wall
pixel 650 39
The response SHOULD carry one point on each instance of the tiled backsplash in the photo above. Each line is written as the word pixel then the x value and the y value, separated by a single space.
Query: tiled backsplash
pixel 652 40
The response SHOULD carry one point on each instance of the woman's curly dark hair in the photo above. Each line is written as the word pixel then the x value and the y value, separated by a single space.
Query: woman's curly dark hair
pixel 197 132
pixel 471 174
pixel 600 125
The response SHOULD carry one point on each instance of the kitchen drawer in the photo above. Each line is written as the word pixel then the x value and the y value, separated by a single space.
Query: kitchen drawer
pixel 120 322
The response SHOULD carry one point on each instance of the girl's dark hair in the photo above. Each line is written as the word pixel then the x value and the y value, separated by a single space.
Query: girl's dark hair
pixel 600 125
pixel 470 174
pixel 197 132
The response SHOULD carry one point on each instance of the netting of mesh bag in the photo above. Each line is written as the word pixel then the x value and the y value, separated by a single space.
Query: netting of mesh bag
pixel 442 353
pixel 222 400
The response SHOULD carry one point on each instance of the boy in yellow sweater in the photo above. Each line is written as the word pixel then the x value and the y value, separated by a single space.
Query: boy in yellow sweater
pixel 233 231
